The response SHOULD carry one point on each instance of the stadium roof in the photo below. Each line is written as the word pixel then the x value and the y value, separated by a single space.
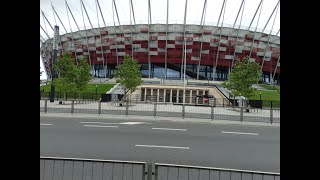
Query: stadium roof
pixel 73 15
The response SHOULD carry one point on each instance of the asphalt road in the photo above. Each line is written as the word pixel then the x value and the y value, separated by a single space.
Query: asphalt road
pixel 201 144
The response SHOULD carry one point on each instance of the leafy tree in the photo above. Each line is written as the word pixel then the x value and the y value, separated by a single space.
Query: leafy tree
pixel 242 77
pixel 82 74
pixel 128 74
pixel 71 77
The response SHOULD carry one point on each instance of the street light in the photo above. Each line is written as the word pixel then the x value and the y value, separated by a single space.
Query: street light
pixel 260 95
pixel 184 70
pixel 96 91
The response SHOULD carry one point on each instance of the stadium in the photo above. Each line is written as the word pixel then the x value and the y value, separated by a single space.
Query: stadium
pixel 161 47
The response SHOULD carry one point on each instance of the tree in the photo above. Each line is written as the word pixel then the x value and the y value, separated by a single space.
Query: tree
pixel 242 77
pixel 71 77
pixel 128 74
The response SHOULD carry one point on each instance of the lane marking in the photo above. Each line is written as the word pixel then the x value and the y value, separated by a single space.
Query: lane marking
pixel 125 123
pixel 101 126
pixel 238 133
pixel 169 129
pixel 133 123
pixel 156 146
pixel 98 123
pixel 42 124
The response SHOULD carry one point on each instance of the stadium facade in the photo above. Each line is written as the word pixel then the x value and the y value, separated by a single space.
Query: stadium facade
pixel 161 49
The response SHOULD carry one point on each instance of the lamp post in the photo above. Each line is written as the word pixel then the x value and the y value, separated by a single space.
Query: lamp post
pixel 260 95
pixel 184 70
pixel 96 91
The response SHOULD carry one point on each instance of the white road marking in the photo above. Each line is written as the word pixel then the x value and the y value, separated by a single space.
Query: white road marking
pixel 239 133
pixel 169 129
pixel 133 123
pixel 125 123
pixel 98 123
pixel 101 126
pixel 42 124
pixel 172 147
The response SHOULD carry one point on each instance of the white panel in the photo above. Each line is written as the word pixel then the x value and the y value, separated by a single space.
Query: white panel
pixel 228 57
pixel 260 53
pixel 268 53
pixel 247 44
pixel 267 58
pixel 171 46
pixel 136 45
pixel 79 50
pixel 121 53
pixel 161 50
pixel 205 51
pixel 222 48
pixel 239 49
pixel 92 48
pixel 153 52
pixel 121 46
pixel 278 64
pixel 161 37
pixel 153 45
pixel 195 58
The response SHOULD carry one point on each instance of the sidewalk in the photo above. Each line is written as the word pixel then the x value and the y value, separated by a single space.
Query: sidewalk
pixel 151 118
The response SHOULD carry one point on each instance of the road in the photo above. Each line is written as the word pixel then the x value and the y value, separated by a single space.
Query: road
pixel 202 144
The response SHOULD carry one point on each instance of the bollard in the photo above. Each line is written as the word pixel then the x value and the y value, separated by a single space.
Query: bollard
pixel 72 107
pixel 271 115
pixel 212 113
pixel 222 102
pixel 127 108
pixel 155 109
pixel 99 107
pixel 241 114
pixel 45 105
pixel 183 111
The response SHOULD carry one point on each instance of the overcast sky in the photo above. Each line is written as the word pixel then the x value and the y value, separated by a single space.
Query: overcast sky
pixel 158 14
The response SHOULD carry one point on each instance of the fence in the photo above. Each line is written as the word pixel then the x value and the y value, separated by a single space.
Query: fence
pixel 93 169
pixel 271 115
pixel 65 96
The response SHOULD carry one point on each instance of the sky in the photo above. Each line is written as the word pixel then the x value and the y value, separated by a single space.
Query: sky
pixel 158 14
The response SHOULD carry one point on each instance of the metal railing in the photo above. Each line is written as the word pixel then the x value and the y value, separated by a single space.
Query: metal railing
pixel 77 168
pixel 211 112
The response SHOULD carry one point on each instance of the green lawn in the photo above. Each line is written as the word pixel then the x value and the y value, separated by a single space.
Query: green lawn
pixel 267 97
pixel 101 88
pixel 269 87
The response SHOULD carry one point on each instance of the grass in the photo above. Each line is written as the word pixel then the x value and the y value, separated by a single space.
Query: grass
pixel 101 88
pixel 267 97
pixel 269 87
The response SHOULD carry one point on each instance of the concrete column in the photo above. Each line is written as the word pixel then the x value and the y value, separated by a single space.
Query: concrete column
pixel 151 95
pixel 170 95
pixel 145 94
pixel 177 100
pixel 270 79
pixel 197 99
pixel 190 101
pixel 203 93
pixel 158 95
pixel 164 95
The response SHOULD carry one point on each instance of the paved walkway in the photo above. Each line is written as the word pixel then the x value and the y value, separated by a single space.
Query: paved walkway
pixel 157 118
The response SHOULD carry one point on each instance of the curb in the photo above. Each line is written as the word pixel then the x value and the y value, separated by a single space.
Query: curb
pixel 152 118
